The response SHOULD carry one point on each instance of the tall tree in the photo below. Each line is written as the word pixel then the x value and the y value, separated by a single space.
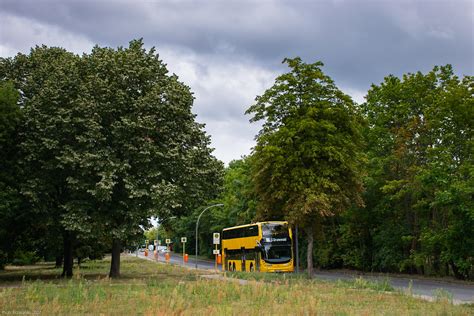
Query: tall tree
pixel 420 140
pixel 10 199
pixel 49 83
pixel 150 156
pixel 308 160
pixel 109 140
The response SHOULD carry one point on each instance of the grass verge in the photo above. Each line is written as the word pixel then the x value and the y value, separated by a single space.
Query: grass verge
pixel 148 288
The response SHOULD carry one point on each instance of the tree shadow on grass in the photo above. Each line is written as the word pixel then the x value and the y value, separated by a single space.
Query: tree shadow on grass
pixel 43 272
pixel 29 273
pixel 133 270
pixel 15 277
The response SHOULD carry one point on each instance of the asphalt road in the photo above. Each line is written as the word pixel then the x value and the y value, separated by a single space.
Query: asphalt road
pixel 461 292
pixel 178 259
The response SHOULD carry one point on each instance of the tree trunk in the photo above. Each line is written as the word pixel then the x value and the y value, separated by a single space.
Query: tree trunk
pixel 309 233
pixel 115 263
pixel 59 261
pixel 68 258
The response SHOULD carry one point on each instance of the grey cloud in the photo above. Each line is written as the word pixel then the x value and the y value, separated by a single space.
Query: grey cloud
pixel 359 41
pixel 229 146
pixel 236 47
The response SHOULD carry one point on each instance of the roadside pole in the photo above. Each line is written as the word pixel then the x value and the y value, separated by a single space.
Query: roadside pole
pixel 159 244
pixel 216 240
pixel 167 255
pixel 183 240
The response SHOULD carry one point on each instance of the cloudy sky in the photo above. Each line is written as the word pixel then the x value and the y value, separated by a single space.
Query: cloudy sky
pixel 228 52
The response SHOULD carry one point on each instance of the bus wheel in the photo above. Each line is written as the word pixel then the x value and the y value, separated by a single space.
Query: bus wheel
pixel 251 267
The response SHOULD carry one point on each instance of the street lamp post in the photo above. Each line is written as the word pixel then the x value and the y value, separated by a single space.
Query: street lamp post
pixel 197 226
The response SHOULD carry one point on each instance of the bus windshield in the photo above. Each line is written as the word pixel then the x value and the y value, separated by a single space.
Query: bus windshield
pixel 275 230
pixel 277 254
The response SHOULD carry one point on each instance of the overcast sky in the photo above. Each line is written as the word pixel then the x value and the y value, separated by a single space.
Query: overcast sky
pixel 228 52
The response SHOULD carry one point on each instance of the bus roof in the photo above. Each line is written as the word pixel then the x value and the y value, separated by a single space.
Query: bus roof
pixel 257 223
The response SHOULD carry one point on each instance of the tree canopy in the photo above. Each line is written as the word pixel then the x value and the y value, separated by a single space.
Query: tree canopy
pixel 308 160
pixel 10 199
pixel 109 140
pixel 420 183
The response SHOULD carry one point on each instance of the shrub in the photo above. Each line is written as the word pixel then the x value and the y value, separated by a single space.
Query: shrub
pixel 22 258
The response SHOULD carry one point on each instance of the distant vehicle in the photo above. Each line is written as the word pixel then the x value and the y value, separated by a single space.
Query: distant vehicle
pixel 162 249
pixel 264 246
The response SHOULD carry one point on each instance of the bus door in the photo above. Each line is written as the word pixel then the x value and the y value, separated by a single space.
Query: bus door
pixel 257 260
pixel 224 262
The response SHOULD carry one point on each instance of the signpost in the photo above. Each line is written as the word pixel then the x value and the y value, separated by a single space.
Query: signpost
pixel 185 258
pixel 216 237
pixel 167 255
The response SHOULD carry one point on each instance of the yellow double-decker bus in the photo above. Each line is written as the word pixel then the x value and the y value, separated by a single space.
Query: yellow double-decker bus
pixel 263 246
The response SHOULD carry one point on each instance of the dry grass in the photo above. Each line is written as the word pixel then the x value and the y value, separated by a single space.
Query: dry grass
pixel 150 289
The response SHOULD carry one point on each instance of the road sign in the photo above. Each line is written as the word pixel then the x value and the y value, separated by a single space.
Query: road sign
pixel 168 241
pixel 215 251
pixel 185 258
pixel 216 238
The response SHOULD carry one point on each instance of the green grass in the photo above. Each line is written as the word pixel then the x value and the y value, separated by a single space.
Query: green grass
pixel 361 283
pixel 358 283
pixel 148 288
